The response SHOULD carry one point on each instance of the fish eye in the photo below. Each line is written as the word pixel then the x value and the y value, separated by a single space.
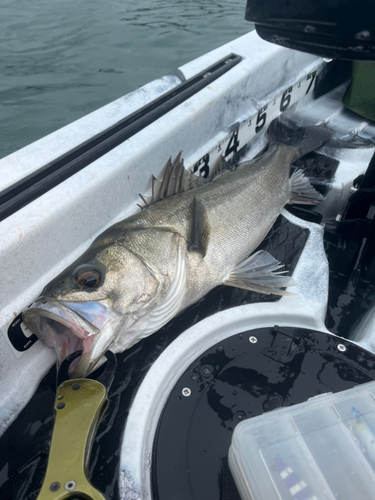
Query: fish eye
pixel 88 278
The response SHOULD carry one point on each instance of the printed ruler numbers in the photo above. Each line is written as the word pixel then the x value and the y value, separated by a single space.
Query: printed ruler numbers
pixel 239 137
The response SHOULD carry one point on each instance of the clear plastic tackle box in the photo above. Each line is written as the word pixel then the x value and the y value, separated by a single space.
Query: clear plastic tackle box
pixel 321 449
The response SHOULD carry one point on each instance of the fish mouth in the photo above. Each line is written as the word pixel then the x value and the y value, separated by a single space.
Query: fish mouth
pixel 67 328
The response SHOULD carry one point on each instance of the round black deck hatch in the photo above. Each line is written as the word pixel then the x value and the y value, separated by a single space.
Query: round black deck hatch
pixel 244 376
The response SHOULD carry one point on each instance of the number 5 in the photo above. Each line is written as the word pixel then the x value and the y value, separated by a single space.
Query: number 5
pixel 261 119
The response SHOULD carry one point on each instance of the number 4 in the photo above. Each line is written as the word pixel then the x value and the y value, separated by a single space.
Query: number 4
pixel 232 144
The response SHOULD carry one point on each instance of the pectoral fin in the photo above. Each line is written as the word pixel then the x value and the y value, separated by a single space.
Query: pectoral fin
pixel 200 230
pixel 257 273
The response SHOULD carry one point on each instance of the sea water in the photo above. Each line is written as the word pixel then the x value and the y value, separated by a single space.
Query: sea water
pixel 62 60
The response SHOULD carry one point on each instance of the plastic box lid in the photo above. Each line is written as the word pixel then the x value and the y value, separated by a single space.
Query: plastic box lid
pixel 321 449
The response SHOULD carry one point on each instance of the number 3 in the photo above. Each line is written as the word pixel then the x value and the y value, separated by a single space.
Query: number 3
pixel 202 166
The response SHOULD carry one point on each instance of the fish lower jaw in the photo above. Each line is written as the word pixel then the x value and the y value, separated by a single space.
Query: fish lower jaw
pixel 72 344
pixel 94 348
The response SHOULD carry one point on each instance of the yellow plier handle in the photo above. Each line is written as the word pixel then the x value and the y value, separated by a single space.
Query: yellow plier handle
pixel 80 405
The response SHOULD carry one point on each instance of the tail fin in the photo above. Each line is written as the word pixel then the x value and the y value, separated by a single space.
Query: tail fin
pixel 304 140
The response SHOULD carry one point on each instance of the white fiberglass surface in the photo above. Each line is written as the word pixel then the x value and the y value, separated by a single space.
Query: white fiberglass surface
pixel 42 238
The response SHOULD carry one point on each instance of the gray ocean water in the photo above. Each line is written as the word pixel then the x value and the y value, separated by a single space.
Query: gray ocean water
pixel 60 60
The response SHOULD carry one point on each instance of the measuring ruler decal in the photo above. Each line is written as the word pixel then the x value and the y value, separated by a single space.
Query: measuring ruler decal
pixel 250 127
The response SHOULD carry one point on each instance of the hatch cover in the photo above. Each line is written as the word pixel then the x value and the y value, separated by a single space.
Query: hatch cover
pixel 243 376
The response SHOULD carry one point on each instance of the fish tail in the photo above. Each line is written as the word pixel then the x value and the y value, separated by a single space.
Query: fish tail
pixel 303 139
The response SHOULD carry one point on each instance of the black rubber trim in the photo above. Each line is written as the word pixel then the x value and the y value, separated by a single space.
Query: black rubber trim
pixel 39 182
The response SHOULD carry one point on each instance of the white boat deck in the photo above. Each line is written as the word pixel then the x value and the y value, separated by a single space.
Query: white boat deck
pixel 41 239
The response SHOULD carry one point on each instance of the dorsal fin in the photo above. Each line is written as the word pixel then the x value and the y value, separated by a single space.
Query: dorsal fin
pixel 176 179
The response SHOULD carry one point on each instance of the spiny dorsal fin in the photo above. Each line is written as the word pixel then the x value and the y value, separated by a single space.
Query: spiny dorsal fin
pixel 220 166
pixel 176 179
pixel 200 229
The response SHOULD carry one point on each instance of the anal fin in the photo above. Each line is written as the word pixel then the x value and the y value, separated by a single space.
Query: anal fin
pixel 257 273
pixel 200 228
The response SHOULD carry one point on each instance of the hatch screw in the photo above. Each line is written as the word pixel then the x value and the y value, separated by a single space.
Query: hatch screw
pixel 75 387
pixel 253 339
pixel 309 28
pixel 362 35
pixel 54 486
pixel 60 406
pixel 186 392
pixel 341 347
pixel 206 372
pixel 70 485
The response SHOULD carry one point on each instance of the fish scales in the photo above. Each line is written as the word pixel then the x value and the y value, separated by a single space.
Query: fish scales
pixel 242 205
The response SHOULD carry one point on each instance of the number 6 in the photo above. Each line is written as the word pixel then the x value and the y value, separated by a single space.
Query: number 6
pixel 285 99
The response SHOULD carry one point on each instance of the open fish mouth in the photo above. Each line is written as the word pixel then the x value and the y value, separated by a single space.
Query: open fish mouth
pixel 68 327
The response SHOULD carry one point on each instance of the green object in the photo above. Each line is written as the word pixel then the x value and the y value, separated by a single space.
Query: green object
pixel 80 405
pixel 360 95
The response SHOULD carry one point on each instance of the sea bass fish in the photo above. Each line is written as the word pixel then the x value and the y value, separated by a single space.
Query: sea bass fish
pixel 191 237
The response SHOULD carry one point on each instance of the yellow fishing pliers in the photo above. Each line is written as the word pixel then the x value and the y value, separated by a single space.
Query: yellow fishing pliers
pixel 79 407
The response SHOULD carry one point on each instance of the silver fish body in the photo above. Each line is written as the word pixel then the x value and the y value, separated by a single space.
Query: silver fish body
pixel 142 271
pixel 241 206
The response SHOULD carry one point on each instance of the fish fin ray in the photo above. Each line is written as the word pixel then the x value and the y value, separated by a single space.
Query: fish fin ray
pixel 256 273
pixel 156 190
pixel 200 229
pixel 173 181
pixel 176 179
pixel 145 199
pixel 302 191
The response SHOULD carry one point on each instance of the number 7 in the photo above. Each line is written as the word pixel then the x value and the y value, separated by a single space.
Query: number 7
pixel 312 76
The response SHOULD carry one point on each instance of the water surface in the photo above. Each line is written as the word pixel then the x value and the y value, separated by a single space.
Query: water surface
pixel 62 60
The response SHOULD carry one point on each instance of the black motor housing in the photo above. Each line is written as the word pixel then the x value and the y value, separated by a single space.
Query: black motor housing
pixel 335 29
